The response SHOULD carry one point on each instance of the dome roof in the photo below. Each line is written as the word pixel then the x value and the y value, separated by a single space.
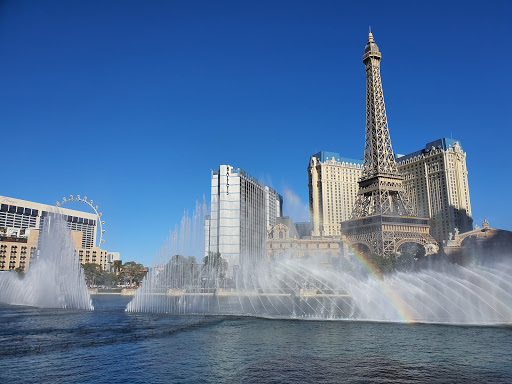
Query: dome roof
pixel 371 46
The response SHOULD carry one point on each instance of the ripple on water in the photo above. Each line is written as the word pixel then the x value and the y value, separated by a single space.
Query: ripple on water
pixel 111 345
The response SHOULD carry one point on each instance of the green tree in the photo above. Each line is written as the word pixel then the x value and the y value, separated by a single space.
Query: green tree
pixel 91 272
pixel 133 271
pixel 117 266
pixel 107 279
pixel 382 264
pixel 214 262
pixel 409 255
pixel 184 270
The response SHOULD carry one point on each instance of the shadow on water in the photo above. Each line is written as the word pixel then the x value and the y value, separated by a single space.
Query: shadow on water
pixel 30 330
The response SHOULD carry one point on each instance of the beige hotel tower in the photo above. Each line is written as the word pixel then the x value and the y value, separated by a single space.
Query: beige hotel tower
pixel 332 191
pixel 435 179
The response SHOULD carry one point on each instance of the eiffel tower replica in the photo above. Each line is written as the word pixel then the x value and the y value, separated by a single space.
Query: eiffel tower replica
pixel 382 219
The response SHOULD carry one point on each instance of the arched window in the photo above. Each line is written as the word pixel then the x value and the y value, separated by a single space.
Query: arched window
pixel 280 235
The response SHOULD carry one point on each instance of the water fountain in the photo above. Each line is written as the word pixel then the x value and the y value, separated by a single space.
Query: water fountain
pixel 477 293
pixel 55 278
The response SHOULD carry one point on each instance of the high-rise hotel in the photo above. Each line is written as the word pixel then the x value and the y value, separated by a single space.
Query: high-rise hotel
pixel 242 209
pixel 20 224
pixel 435 179
pixel 332 191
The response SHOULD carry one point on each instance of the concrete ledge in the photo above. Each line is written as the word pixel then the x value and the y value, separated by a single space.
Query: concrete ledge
pixel 303 293
pixel 128 292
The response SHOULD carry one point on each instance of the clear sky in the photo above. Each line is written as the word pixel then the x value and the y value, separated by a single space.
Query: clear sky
pixel 132 103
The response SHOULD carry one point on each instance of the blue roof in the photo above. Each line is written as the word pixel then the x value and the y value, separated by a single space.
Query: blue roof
pixel 444 143
pixel 323 156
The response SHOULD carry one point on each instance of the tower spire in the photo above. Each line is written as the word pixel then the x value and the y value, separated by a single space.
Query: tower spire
pixel 381 199
pixel 378 152
pixel 379 159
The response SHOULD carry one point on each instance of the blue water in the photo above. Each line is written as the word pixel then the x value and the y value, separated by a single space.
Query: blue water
pixel 110 345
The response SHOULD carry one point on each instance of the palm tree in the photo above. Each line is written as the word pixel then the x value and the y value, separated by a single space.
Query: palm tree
pixel 117 266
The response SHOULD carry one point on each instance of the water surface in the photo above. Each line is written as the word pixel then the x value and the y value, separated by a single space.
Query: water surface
pixel 110 345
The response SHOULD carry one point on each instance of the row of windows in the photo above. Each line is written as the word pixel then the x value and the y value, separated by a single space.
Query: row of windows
pixel 18 210
pixel 74 219
pixel 34 213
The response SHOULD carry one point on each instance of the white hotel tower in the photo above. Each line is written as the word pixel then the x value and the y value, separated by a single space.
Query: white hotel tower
pixel 242 209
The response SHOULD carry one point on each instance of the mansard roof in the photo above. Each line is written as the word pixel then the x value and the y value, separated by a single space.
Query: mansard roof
pixel 445 144
pixel 324 156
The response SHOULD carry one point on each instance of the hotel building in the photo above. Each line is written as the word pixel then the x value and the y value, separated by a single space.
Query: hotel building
pixel 21 214
pixel 242 208
pixel 285 241
pixel 20 222
pixel 435 179
pixel 17 248
pixel 332 191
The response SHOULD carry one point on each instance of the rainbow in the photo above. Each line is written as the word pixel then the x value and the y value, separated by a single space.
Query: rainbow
pixel 395 299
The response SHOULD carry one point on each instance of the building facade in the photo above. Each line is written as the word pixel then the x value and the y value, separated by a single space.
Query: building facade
pixel 93 255
pixel 284 241
pixel 20 224
pixel 483 242
pixel 242 208
pixel 21 214
pixel 112 257
pixel 18 248
pixel 304 228
pixel 332 191
pixel 436 179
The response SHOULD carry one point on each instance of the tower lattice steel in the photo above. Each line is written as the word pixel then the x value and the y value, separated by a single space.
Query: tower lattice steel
pixel 383 218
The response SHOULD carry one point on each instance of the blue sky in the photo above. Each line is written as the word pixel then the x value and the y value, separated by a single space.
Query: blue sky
pixel 132 103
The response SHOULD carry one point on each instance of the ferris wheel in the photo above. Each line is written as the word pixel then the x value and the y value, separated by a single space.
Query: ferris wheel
pixel 90 204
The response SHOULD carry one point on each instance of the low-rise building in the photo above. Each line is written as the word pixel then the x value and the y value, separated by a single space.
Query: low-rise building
pixel 283 241
pixel 18 248
pixel 483 243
